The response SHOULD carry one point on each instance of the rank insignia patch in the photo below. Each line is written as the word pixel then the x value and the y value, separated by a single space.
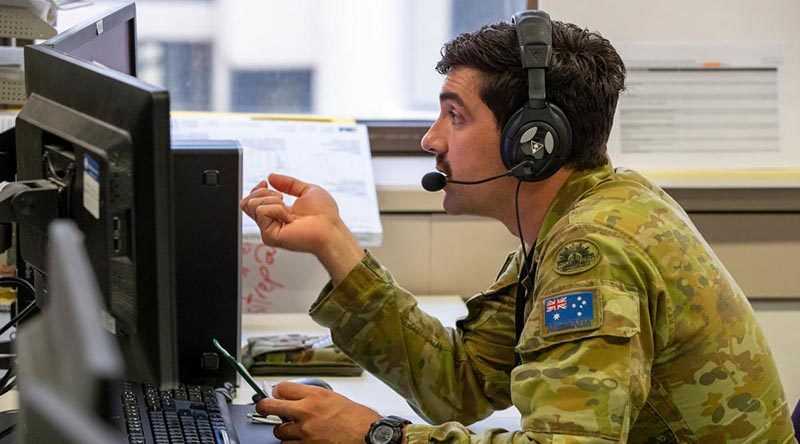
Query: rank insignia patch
pixel 570 312
pixel 577 256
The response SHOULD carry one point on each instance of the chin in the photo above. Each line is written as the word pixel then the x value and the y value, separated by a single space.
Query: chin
pixel 452 205
pixel 448 203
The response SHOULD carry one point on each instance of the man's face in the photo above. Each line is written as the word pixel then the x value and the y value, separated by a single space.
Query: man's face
pixel 466 141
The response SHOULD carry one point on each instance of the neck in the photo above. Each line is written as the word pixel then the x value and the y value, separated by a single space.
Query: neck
pixel 534 200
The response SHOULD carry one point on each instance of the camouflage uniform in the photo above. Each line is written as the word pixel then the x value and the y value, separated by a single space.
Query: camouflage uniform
pixel 653 342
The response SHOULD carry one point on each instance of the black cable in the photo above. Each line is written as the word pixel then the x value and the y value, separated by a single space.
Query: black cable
pixel 7 383
pixel 476 182
pixel 527 270
pixel 24 313
pixel 9 373
pixel 20 283
pixel 525 265
pixel 7 431
pixel 10 386
pixel 522 293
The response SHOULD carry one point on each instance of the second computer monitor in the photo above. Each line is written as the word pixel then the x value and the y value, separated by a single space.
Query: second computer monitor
pixel 109 40
pixel 102 138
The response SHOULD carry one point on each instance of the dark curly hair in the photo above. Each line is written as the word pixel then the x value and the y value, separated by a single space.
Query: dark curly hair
pixel 585 78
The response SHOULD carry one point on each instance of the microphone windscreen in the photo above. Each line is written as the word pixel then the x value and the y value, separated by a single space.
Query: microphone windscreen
pixel 434 181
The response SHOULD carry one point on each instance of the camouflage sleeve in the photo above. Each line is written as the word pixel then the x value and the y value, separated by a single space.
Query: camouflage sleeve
pixel 587 345
pixel 455 433
pixel 445 374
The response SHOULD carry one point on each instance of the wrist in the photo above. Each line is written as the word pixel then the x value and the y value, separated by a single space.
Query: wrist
pixel 340 254
pixel 387 430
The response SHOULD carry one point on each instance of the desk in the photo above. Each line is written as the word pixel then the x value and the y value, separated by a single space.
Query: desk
pixel 366 389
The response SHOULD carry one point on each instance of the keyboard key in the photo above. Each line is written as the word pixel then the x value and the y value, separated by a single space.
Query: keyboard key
pixel 186 415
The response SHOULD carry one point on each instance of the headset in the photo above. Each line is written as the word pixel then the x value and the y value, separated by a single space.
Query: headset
pixel 537 139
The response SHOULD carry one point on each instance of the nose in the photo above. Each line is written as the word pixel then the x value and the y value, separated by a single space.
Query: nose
pixel 433 141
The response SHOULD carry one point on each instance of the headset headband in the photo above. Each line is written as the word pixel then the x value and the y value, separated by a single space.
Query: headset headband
pixel 535 36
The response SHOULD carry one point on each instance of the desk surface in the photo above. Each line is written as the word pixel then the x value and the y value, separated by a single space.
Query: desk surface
pixel 366 389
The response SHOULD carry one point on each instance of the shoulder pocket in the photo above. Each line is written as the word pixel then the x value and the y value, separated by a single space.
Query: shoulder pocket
pixel 615 313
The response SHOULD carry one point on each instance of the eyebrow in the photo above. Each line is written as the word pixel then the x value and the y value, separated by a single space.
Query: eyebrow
pixel 452 97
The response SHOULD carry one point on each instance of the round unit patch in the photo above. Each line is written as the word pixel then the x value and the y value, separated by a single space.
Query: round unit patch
pixel 577 256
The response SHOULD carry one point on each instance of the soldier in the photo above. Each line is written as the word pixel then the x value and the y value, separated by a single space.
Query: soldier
pixel 620 325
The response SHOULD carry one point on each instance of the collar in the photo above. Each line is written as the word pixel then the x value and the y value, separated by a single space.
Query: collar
pixel 571 191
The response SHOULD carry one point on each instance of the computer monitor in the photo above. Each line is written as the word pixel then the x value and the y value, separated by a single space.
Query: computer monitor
pixel 109 40
pixel 68 362
pixel 49 418
pixel 93 146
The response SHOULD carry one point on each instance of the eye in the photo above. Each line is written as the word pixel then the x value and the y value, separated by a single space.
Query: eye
pixel 454 117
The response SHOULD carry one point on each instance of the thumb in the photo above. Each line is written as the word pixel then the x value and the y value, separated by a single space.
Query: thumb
pixel 288 184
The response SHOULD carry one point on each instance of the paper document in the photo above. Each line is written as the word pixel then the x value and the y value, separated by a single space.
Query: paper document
pixel 695 105
pixel 334 156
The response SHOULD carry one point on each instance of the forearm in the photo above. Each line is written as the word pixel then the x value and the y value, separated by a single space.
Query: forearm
pixel 379 325
pixel 421 360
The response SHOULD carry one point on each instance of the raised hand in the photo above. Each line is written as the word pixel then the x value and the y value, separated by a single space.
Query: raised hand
pixel 312 224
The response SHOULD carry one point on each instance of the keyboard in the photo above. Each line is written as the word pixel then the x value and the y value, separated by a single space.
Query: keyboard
pixel 186 415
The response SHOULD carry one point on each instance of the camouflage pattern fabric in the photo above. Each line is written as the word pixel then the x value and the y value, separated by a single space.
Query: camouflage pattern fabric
pixel 635 332
pixel 296 354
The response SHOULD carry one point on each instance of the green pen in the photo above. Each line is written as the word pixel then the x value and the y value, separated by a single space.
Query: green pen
pixel 240 369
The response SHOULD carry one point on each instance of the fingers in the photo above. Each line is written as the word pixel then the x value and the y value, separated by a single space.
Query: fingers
pixel 275 205
pixel 259 193
pixel 288 431
pixel 293 391
pixel 262 184
pixel 264 197
pixel 288 184
pixel 279 407
pixel 265 213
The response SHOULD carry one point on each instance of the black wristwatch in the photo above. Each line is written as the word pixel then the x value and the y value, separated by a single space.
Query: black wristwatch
pixel 388 430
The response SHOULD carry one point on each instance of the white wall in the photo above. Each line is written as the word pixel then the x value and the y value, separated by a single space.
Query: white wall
pixel 734 22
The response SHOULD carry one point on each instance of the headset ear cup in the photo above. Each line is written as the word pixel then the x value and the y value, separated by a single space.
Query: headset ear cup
pixel 561 123
pixel 508 140
pixel 554 136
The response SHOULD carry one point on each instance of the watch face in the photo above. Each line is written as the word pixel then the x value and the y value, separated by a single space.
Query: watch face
pixel 382 434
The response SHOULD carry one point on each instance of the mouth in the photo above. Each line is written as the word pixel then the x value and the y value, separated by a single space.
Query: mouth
pixel 444 172
pixel 443 168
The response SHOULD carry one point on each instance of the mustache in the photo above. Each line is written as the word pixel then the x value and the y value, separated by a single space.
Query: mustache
pixel 443 165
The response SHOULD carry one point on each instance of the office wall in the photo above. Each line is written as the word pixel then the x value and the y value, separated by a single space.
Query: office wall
pixel 699 22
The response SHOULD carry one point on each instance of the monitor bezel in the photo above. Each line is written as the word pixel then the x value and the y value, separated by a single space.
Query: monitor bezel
pixel 86 31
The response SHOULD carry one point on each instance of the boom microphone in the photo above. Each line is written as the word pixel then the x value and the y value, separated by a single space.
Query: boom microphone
pixel 435 181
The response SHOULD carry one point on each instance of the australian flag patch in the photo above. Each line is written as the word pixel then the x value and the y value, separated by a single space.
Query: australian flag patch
pixel 570 312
